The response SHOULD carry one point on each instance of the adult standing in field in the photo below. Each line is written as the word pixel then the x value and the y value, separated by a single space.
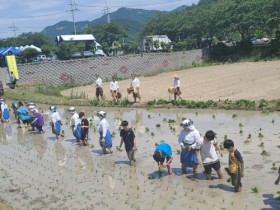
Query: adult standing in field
pixel 188 138
pixel 114 89
pixel 55 122
pixel 128 138
pixel 105 140
pixel 1 89
pixel 135 88
pixel 75 124
pixel 177 85
pixel 98 87
pixel 5 110
pixel 162 152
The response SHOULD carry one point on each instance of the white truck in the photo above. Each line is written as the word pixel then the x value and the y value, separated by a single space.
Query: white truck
pixel 87 38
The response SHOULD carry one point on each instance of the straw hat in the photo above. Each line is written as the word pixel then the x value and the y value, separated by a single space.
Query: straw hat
pixel 175 75
pixel 171 90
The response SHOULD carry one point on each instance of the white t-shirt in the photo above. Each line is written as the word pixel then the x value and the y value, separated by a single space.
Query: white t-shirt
pixel 98 82
pixel 3 106
pixel 207 150
pixel 55 117
pixel 74 120
pixel 189 137
pixel 177 82
pixel 103 127
pixel 114 85
pixel 135 82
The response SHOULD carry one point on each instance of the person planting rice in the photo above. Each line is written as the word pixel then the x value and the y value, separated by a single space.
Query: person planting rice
pixel 114 89
pixel 5 110
pixel 105 140
pixel 55 122
pixel 22 114
pixel 128 138
pixel 98 87
pixel 205 148
pixel 38 121
pixel 163 152
pixel 236 165
pixel 84 128
pixel 188 138
pixel 75 124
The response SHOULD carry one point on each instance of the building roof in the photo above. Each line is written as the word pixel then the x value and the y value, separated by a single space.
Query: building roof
pixel 79 37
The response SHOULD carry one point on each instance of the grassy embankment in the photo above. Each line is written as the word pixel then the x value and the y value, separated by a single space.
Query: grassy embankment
pixel 4 205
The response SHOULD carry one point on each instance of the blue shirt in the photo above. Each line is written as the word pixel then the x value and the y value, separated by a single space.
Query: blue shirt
pixel 23 113
pixel 165 150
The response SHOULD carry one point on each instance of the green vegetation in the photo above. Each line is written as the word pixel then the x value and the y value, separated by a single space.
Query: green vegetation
pixel 274 167
pixel 4 205
pixel 264 153
pixel 255 190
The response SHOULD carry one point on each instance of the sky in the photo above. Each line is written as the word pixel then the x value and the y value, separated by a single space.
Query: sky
pixel 18 16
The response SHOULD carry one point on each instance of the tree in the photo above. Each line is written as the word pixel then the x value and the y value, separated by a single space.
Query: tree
pixel 66 50
pixel 28 54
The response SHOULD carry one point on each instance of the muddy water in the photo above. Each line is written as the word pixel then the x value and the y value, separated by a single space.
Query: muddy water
pixel 39 172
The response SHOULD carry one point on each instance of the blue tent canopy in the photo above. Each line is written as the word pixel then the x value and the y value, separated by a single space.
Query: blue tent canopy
pixel 14 50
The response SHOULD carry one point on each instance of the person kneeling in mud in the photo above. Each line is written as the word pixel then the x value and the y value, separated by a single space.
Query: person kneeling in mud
pixel 128 138
pixel 162 152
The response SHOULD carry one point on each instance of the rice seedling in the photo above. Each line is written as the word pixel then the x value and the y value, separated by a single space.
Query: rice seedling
pixel 225 137
pixel 272 121
pixel 264 153
pixel 255 190
pixel 234 115
pixel 213 116
pixel 149 116
pixel 278 195
pixel 178 152
pixel 274 167
pixel 261 135
pixel 158 125
pixel 261 144
pixel 152 134
pixel 241 125
pixel 147 129
pixel 249 136
pixel 241 131
pixel 171 121
pixel 162 141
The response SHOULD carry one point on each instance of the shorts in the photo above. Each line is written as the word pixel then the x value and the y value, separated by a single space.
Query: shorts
pixel 208 167
pixel 162 160
pixel 177 91
pixel 99 91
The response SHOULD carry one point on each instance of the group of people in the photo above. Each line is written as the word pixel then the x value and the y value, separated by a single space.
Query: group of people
pixel 27 114
pixel 197 150
pixel 80 128
pixel 114 88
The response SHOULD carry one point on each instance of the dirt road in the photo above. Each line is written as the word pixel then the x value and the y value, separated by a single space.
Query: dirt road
pixel 252 81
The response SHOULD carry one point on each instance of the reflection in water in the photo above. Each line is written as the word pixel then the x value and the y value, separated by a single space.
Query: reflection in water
pixel 3 134
pixel 83 156
pixel 118 118
pixel 137 122
pixel 40 145
pixel 133 189
pixel 60 153
pixel 20 135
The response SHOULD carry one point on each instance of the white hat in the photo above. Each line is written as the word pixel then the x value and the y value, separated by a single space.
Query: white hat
pixel 52 108
pixel 101 114
pixel 31 106
pixel 71 109
pixel 186 123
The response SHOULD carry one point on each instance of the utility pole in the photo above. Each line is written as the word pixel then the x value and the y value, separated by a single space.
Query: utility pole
pixel 73 9
pixel 106 12
pixel 14 29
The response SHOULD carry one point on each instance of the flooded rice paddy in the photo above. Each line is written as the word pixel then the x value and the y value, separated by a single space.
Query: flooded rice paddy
pixel 39 172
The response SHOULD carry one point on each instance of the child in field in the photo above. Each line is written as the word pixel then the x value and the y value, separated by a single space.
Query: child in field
pixel 205 148
pixel 128 138
pixel 177 85
pixel 162 152
pixel 84 126
pixel 278 179
pixel 236 165
pixel 5 110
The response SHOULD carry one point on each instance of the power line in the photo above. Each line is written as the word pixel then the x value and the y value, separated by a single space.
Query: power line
pixel 14 29
pixel 106 12
pixel 73 9
pixel 34 16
